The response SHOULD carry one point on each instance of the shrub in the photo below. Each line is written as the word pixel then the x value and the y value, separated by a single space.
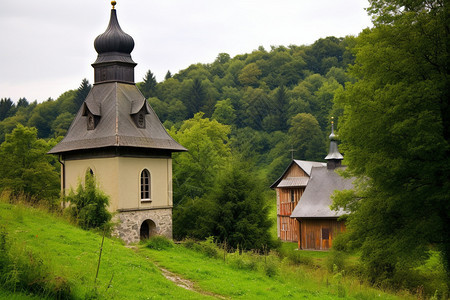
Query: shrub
pixel 267 264
pixel 158 242
pixel 244 261
pixel 271 268
pixel 297 258
pixel 336 261
pixel 207 247
pixel 89 206
pixel 189 243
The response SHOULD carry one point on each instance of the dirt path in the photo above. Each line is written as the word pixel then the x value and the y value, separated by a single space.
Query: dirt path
pixel 186 284
pixel 180 281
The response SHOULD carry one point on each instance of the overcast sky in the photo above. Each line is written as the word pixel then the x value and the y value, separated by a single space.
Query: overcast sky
pixel 47 46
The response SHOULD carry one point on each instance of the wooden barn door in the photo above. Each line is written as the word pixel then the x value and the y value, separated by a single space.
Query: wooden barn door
pixel 311 240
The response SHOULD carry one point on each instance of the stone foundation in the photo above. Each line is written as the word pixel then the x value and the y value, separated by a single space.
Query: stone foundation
pixel 129 223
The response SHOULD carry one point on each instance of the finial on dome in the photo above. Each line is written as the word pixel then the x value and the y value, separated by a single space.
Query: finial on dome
pixel 332 136
pixel 113 3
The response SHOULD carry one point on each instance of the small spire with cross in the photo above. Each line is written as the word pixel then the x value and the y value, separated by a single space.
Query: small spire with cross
pixel 334 157
pixel 292 150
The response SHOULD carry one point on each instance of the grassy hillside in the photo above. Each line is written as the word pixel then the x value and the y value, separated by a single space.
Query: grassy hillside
pixel 71 253
pixel 69 257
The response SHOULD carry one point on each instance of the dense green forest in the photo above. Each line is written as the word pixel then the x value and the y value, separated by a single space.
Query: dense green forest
pixel 272 100
pixel 243 118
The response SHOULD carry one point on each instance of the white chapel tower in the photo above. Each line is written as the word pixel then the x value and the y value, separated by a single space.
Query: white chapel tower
pixel 117 136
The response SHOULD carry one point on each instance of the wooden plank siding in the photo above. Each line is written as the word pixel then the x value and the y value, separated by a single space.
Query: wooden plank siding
pixel 295 171
pixel 288 227
pixel 318 234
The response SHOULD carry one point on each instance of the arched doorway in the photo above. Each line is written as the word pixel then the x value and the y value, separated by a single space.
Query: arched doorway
pixel 148 228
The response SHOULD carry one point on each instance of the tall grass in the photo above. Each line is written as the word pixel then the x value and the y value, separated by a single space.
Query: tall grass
pixel 23 270
pixel 252 275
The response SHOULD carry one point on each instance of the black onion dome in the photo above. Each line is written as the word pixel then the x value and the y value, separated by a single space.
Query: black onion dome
pixel 114 39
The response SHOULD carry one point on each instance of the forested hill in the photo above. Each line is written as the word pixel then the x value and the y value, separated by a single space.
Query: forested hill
pixel 274 100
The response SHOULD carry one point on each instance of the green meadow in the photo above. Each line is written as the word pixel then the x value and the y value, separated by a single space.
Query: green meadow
pixel 44 256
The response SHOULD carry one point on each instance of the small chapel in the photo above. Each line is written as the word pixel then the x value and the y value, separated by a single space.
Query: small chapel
pixel 304 197
pixel 117 137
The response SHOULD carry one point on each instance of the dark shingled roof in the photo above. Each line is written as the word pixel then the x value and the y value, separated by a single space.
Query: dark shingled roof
pixel 115 103
pixel 316 200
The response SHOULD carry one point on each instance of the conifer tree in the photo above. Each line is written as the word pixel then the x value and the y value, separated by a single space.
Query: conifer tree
pixel 6 108
pixel 241 214
pixel 82 92
pixel 195 97
pixel 23 102
pixel 168 75
pixel 148 88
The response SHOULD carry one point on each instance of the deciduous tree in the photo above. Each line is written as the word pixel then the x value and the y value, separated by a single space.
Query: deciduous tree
pixel 25 167
pixel 396 137
pixel 249 75
pixel 306 137
pixel 224 112
pixel 194 171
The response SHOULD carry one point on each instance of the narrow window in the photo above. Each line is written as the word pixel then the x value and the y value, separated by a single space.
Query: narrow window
pixel 145 185
pixel 141 120
pixel 91 121
pixel 284 226
pixel 325 233
pixel 292 196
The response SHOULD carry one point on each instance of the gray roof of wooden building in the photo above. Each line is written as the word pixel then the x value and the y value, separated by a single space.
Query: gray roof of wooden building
pixel 114 103
pixel 316 200
pixel 293 182
pixel 305 165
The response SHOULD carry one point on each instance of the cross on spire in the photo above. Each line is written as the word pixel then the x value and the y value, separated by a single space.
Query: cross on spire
pixel 292 150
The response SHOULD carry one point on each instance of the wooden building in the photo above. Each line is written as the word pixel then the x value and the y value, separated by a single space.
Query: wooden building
pixel 117 137
pixel 290 188
pixel 303 201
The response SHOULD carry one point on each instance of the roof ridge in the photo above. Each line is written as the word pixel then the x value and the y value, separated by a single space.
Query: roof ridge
pixel 116 114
